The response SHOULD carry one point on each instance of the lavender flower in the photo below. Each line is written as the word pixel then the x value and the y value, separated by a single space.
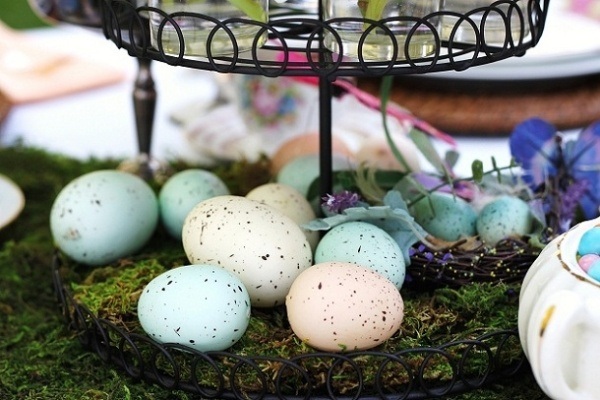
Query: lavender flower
pixel 569 201
pixel 338 202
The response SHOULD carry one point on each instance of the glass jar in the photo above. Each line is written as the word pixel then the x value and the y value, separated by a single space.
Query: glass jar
pixel 400 24
pixel 492 19
pixel 228 21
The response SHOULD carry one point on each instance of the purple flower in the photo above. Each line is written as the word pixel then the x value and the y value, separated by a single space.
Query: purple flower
pixel 569 202
pixel 338 202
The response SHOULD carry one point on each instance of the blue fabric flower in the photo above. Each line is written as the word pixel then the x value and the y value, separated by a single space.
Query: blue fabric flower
pixel 564 170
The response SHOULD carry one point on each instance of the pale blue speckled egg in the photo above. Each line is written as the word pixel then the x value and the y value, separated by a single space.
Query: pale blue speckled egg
pixel 363 244
pixel 503 217
pixel 103 216
pixel 180 194
pixel 202 307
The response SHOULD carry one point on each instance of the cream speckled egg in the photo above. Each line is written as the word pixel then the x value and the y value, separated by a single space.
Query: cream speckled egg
pixel 265 248
pixel 202 307
pixel 290 202
pixel 103 215
pixel 337 306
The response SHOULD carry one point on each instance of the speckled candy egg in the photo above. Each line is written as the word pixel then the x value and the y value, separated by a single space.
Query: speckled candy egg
pixel 363 244
pixel 503 217
pixel 288 201
pixel 199 306
pixel 445 216
pixel 265 248
pixel 182 192
pixel 103 216
pixel 338 307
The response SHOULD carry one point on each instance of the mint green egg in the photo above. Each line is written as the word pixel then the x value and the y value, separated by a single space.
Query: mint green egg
pixel 445 216
pixel 506 216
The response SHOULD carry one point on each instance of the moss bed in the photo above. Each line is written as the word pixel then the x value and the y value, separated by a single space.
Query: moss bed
pixel 41 359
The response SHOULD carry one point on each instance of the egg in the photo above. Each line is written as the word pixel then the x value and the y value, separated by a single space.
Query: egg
pixel 376 153
pixel 102 216
pixel 337 306
pixel 504 217
pixel 264 247
pixel 182 192
pixel 202 307
pixel 305 144
pixel 290 202
pixel 364 244
pixel 445 216
pixel 302 171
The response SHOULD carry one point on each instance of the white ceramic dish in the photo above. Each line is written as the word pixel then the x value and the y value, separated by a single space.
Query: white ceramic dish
pixel 569 47
pixel 12 201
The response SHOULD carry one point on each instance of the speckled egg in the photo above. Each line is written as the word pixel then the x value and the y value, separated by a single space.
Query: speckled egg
pixel 103 216
pixel 503 217
pixel 363 244
pixel 264 247
pixel 337 307
pixel 445 216
pixel 290 202
pixel 202 307
pixel 302 171
pixel 182 192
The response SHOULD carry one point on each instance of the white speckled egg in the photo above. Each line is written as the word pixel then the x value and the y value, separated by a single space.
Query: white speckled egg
pixel 199 306
pixel 503 217
pixel 302 171
pixel 103 216
pixel 445 216
pixel 336 307
pixel 182 192
pixel 363 244
pixel 290 202
pixel 265 248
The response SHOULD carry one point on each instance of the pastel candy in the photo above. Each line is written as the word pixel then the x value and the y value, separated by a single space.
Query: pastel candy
pixel 587 260
pixel 590 242
pixel 594 271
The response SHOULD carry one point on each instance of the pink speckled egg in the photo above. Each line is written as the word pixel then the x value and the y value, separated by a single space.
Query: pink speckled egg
pixel 339 306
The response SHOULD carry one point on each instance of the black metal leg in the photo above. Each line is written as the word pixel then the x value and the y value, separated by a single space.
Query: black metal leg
pixel 144 104
pixel 325 137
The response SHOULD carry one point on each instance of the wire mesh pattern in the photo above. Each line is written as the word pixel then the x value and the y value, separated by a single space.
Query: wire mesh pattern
pixel 295 45
pixel 408 374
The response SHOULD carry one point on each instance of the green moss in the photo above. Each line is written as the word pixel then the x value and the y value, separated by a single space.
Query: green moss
pixel 41 359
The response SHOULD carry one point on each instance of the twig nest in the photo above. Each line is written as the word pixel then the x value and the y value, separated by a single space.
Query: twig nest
pixel 337 306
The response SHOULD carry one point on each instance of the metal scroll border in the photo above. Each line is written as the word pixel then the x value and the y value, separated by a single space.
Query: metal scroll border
pixel 127 26
pixel 141 358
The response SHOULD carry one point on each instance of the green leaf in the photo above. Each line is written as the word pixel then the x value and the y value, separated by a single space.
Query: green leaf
pixel 385 90
pixel 477 170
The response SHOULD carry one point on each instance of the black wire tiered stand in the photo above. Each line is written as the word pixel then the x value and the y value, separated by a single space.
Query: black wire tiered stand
pixel 218 374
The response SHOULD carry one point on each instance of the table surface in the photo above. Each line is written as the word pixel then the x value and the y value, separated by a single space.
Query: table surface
pixel 100 122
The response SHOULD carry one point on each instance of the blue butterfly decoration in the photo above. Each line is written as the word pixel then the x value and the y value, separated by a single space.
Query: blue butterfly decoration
pixel 566 173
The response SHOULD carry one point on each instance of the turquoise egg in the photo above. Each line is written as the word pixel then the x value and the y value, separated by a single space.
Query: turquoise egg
pixel 445 216
pixel 590 242
pixel 594 271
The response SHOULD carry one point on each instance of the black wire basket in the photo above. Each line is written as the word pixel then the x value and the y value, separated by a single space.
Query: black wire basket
pixel 406 374
pixel 293 33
